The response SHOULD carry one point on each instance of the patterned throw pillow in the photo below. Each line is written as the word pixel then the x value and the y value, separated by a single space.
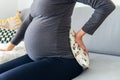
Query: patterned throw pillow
pixel 6 35
pixel 81 57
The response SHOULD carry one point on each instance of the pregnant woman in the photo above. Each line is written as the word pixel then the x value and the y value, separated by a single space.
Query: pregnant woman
pixel 46 35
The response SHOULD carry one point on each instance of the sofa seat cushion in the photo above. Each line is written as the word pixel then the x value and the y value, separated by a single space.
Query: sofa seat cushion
pixel 102 67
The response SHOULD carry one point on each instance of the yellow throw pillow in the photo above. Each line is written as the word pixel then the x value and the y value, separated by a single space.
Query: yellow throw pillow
pixel 15 21
pixel 12 23
pixel 4 24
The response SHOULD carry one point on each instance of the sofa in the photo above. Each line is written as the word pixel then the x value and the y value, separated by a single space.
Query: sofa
pixel 103 46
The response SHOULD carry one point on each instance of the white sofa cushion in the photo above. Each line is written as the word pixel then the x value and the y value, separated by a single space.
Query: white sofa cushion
pixel 102 67
pixel 9 55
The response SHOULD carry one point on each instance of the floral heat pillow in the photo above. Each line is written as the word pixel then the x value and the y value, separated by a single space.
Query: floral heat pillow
pixel 81 57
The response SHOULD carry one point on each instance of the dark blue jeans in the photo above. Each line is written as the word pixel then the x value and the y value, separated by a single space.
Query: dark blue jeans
pixel 48 68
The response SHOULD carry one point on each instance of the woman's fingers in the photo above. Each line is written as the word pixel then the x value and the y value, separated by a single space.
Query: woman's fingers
pixel 81 44
pixel 9 47
pixel 78 37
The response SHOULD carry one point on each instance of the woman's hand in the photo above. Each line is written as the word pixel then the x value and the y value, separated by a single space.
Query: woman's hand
pixel 78 37
pixel 9 47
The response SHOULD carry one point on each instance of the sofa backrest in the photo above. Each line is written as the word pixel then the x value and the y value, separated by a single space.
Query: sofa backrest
pixel 106 40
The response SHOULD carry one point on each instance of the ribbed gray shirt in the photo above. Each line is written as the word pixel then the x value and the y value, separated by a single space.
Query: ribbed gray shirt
pixel 46 30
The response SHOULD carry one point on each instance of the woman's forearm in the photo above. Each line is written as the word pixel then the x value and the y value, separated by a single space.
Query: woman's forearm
pixel 102 9
pixel 20 33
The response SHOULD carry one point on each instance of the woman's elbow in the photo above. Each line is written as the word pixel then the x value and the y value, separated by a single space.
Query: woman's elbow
pixel 111 7
pixel 106 8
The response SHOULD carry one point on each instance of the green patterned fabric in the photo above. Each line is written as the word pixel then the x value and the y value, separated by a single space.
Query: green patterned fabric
pixel 6 35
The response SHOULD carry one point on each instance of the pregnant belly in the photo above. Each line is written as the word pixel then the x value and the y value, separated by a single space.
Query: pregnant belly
pixel 46 37
pixel 39 37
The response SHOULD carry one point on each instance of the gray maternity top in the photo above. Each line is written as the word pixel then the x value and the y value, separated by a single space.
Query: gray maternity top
pixel 46 29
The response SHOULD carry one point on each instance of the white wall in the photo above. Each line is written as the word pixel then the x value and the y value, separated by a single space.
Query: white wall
pixel 26 4
pixel 22 4
pixel 7 8
pixel 116 2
